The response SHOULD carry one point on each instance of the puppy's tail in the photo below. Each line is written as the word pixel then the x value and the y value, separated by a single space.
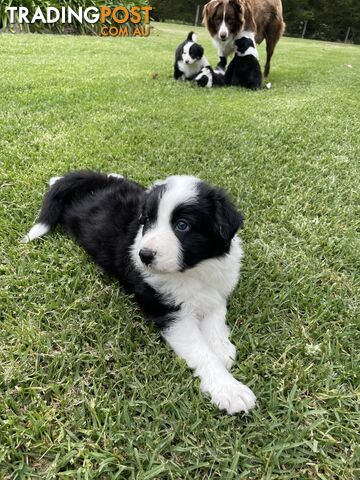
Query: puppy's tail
pixel 62 192
pixel 191 37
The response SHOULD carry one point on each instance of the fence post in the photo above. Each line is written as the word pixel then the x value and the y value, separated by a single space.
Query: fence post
pixel 197 15
pixel 304 29
pixel 347 35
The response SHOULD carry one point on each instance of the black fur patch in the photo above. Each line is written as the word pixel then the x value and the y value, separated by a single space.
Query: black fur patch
pixel 196 51
pixel 213 223
pixel 242 44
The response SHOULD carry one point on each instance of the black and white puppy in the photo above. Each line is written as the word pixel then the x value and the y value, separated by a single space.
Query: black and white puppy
pixel 189 59
pixel 244 69
pixel 209 78
pixel 174 246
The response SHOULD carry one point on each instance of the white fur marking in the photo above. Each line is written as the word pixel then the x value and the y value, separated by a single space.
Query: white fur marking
pixel 53 180
pixel 186 339
pixel 187 59
pixel 38 230
pixel 203 288
pixel 250 51
pixel 216 333
pixel 223 30
pixel 161 237
pixel 115 175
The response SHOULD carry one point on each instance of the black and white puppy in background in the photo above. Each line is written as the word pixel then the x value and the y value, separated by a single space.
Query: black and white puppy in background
pixel 174 246
pixel 189 59
pixel 244 69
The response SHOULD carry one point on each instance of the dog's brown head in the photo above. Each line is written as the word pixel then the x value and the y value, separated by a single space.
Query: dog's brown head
pixel 226 18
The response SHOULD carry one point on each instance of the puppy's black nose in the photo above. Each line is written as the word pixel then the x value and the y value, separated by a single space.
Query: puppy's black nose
pixel 186 61
pixel 223 36
pixel 147 255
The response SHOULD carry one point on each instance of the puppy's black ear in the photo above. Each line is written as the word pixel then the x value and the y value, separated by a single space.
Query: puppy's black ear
pixel 200 52
pixel 196 51
pixel 227 219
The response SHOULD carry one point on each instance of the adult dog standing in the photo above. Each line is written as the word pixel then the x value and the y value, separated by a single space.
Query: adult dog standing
pixel 226 19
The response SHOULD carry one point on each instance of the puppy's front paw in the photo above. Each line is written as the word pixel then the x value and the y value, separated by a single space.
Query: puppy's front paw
pixel 230 395
pixel 204 78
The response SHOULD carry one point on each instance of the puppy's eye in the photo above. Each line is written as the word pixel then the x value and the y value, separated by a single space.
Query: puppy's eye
pixel 182 226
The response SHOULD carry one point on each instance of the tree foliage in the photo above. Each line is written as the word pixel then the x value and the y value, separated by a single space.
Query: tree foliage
pixel 325 20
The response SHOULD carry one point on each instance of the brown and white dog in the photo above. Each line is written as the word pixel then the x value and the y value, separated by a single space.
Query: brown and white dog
pixel 226 19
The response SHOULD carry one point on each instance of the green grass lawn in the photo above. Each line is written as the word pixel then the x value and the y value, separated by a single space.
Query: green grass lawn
pixel 87 388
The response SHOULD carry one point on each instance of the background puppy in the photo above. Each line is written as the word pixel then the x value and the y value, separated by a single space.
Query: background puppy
pixel 225 19
pixel 244 69
pixel 175 248
pixel 189 59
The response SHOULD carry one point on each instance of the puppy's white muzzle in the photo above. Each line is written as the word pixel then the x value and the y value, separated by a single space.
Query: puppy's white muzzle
pixel 160 250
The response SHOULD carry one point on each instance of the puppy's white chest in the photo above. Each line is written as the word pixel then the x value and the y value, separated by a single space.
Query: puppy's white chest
pixel 190 70
pixel 202 288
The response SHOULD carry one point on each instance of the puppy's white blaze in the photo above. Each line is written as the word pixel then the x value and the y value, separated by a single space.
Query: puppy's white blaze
pixel 179 189
pixel 186 54
pixel 53 180
pixel 38 230
pixel 193 37
pixel 161 237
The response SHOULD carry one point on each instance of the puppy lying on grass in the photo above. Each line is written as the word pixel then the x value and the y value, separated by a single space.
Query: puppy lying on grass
pixel 209 78
pixel 174 246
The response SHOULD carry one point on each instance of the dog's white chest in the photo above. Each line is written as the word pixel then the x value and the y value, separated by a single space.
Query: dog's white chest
pixel 224 48
pixel 203 287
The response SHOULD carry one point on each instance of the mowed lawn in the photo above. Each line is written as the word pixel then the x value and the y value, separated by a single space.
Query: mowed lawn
pixel 88 390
